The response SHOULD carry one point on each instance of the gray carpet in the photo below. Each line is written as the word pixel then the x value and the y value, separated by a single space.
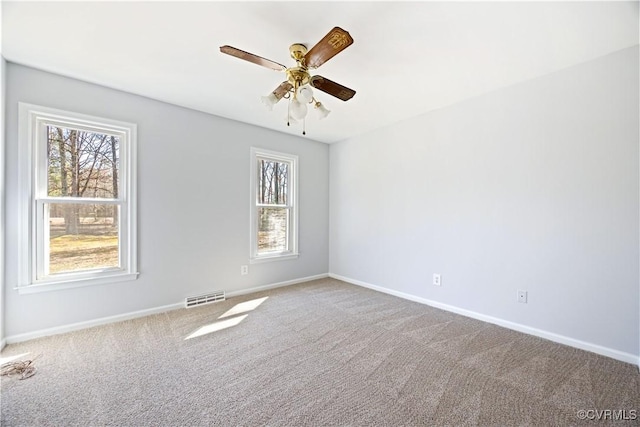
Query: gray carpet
pixel 319 353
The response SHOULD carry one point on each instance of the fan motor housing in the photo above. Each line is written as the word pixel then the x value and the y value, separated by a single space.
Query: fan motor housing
pixel 298 76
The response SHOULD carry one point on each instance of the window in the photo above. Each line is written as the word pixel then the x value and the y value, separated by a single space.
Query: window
pixel 78 207
pixel 274 216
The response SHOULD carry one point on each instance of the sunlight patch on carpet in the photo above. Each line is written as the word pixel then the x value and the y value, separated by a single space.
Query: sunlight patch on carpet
pixel 243 307
pixel 8 359
pixel 217 326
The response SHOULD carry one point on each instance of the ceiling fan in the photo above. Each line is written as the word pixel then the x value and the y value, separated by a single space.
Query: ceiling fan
pixel 297 87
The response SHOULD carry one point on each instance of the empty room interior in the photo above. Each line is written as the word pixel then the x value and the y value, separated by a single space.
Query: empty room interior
pixel 319 213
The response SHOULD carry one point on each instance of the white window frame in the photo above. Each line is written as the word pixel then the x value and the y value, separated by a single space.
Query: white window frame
pixel 292 204
pixel 32 158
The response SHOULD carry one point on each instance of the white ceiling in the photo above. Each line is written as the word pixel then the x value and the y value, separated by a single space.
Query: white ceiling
pixel 408 57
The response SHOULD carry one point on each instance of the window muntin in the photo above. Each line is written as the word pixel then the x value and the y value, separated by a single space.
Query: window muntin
pixel 273 216
pixel 79 176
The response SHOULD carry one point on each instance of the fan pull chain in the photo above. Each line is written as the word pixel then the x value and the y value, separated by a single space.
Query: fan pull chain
pixel 289 111
pixel 304 123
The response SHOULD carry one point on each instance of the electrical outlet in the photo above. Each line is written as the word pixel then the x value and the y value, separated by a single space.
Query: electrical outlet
pixel 437 281
pixel 244 270
pixel 522 297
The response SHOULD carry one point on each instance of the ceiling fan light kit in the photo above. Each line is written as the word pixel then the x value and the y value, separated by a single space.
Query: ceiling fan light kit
pixel 297 89
pixel 322 110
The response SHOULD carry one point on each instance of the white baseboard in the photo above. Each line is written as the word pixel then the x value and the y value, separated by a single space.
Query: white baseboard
pixel 3 344
pixel 90 323
pixel 276 285
pixel 561 339
pixel 141 313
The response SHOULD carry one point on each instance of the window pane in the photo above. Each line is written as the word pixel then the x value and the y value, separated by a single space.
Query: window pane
pixel 273 180
pixel 82 237
pixel 272 229
pixel 81 163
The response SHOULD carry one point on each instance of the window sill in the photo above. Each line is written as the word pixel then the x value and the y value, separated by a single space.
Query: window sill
pixel 49 286
pixel 269 258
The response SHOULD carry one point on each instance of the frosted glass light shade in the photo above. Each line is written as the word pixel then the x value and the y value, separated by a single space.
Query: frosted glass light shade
pixel 305 94
pixel 270 100
pixel 322 110
pixel 297 110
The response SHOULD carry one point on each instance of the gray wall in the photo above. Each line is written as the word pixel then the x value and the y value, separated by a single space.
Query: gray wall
pixel 193 204
pixel 531 187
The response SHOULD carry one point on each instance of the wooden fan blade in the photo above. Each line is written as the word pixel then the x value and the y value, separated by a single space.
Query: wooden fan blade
pixel 282 90
pixel 332 44
pixel 229 50
pixel 332 88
